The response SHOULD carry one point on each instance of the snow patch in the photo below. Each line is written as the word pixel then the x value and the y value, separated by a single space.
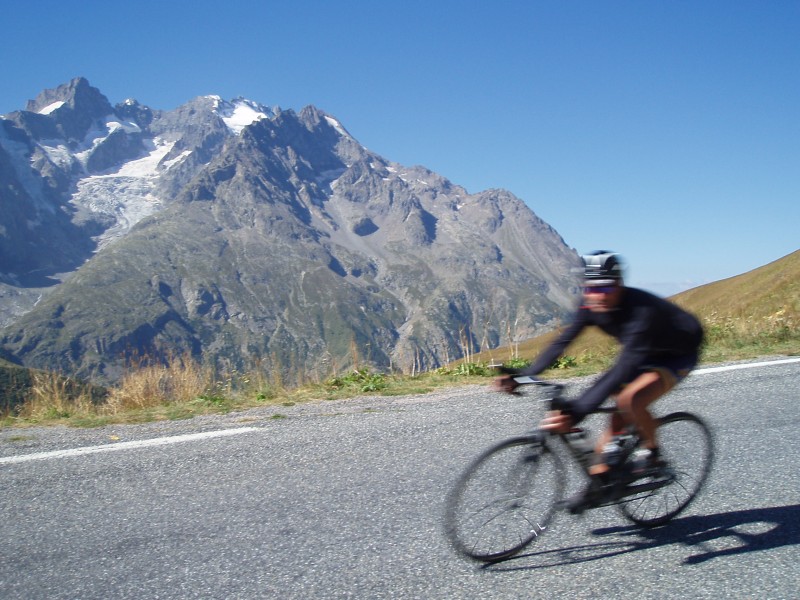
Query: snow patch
pixel 336 125
pixel 51 107
pixel 168 164
pixel 57 151
pixel 147 165
pixel 240 113
pixel 97 136
pixel 126 126
pixel 126 194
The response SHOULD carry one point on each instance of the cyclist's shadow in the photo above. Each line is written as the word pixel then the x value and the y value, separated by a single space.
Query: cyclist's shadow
pixel 711 536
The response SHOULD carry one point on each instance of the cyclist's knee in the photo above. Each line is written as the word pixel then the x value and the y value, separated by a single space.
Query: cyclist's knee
pixel 627 403
pixel 636 403
pixel 640 393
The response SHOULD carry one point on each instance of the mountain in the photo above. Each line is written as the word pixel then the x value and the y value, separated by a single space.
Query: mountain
pixel 251 236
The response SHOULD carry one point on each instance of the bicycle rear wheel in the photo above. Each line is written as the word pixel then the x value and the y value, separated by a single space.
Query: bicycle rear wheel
pixel 687 447
pixel 504 500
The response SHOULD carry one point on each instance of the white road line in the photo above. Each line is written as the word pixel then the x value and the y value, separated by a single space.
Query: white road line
pixel 768 363
pixel 162 441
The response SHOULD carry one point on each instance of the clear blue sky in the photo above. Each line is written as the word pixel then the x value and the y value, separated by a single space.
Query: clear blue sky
pixel 668 131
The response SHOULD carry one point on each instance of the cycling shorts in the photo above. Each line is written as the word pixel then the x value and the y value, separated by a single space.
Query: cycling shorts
pixel 672 368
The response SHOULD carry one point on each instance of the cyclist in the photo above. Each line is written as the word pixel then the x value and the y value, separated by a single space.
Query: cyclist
pixel 660 343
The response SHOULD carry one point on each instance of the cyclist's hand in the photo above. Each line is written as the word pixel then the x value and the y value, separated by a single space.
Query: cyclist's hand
pixel 556 422
pixel 505 384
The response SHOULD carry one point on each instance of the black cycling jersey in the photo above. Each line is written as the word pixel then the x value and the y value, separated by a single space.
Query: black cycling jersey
pixel 649 328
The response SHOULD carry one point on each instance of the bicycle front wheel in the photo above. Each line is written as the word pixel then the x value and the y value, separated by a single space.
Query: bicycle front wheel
pixel 687 447
pixel 504 500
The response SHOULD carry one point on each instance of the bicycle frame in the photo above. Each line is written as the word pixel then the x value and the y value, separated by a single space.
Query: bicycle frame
pixel 578 446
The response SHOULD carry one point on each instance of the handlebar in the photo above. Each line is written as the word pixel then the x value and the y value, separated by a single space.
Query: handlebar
pixel 554 389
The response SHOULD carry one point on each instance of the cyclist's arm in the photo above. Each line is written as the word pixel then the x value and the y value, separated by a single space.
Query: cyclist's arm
pixel 610 382
pixel 557 347
pixel 635 341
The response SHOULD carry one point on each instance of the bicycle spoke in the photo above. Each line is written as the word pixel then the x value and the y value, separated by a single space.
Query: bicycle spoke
pixel 504 500
pixel 688 451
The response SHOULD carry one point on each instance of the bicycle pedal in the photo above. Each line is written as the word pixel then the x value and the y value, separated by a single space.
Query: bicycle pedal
pixel 573 506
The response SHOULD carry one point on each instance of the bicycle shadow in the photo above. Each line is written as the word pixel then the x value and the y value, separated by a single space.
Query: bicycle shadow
pixel 709 536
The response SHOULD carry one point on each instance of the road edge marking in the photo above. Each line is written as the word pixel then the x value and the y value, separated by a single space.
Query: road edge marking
pixel 753 365
pixel 113 447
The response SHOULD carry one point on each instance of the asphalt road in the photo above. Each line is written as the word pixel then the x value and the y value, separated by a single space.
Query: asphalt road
pixel 344 500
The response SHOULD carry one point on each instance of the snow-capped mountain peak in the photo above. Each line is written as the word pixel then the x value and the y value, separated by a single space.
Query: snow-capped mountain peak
pixel 239 113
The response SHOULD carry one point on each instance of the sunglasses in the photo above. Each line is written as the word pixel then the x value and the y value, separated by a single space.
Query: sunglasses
pixel 600 289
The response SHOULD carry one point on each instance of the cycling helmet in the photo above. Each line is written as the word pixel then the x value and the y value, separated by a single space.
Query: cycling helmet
pixel 602 267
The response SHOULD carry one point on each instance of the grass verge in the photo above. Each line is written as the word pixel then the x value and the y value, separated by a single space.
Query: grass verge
pixel 182 389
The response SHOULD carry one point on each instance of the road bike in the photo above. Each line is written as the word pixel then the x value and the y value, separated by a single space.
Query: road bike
pixel 507 497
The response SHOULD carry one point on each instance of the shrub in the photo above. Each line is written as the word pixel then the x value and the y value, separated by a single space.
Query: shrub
pixel 564 362
pixel 477 369
pixel 360 379
pixel 517 363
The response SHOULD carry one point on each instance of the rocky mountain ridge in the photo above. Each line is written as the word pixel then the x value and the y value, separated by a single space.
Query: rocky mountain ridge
pixel 247 235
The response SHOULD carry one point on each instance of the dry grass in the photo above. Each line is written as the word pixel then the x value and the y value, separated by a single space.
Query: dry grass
pixel 54 398
pixel 177 388
pixel 751 315
pixel 754 313
pixel 178 380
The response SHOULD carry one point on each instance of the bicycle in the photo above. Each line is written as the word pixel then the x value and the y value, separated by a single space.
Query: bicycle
pixel 507 497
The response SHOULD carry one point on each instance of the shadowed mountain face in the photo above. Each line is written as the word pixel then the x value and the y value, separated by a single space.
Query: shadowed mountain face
pixel 250 236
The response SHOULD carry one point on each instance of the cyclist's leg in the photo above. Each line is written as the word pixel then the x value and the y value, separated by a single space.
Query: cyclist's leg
pixel 615 425
pixel 655 379
pixel 635 398
pixel 633 401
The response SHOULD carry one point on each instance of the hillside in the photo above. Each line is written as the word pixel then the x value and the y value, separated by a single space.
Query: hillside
pixel 770 293
pixel 754 313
